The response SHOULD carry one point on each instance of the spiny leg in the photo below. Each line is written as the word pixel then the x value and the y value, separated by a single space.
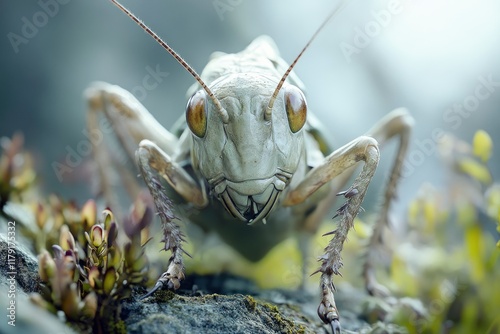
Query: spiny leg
pixel 361 149
pixel 152 162
pixel 172 235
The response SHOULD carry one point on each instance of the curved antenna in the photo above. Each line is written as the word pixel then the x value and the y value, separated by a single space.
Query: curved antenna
pixel 269 110
pixel 222 112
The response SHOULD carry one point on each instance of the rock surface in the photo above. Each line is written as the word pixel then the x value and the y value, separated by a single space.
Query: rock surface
pixel 231 305
pixel 26 265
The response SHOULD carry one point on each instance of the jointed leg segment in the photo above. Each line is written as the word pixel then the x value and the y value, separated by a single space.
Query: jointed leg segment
pixel 172 235
pixel 152 160
pixel 361 149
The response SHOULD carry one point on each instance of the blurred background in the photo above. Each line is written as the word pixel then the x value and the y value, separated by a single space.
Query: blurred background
pixel 428 56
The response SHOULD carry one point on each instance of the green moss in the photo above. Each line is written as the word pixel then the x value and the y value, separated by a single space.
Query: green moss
pixel 250 303
pixel 115 326
pixel 278 320
pixel 164 296
pixel 271 307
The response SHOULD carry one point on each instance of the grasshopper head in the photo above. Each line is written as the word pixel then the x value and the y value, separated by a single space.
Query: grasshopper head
pixel 249 159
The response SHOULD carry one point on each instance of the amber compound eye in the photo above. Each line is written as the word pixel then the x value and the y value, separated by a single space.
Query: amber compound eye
pixel 296 108
pixel 196 114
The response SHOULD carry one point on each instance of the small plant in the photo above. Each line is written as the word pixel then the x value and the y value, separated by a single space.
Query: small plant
pixel 93 264
pixel 16 169
pixel 92 271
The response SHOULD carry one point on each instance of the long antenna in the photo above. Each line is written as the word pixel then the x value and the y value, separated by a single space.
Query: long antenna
pixel 269 109
pixel 222 112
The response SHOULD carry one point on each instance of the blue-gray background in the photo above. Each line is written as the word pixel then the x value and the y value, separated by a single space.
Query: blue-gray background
pixel 427 58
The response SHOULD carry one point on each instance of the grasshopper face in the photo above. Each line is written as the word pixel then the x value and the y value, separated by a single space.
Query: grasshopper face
pixel 247 161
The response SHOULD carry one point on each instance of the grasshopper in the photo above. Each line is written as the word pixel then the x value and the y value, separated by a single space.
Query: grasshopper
pixel 250 161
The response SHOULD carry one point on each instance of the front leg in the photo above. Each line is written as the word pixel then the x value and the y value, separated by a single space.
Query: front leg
pixel 151 158
pixel 361 149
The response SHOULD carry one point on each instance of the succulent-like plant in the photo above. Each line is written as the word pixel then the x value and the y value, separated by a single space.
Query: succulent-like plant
pixel 16 169
pixel 89 275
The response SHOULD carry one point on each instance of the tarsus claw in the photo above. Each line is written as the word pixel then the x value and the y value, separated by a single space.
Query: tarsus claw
pixel 171 279
pixel 157 287
pixel 335 326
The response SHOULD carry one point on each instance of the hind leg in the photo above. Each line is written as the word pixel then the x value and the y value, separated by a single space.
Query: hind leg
pixel 397 125
pixel 130 122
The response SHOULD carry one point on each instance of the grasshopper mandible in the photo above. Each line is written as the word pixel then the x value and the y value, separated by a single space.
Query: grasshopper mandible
pixel 250 162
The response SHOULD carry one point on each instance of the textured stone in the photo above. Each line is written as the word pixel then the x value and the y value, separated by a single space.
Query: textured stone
pixel 233 305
